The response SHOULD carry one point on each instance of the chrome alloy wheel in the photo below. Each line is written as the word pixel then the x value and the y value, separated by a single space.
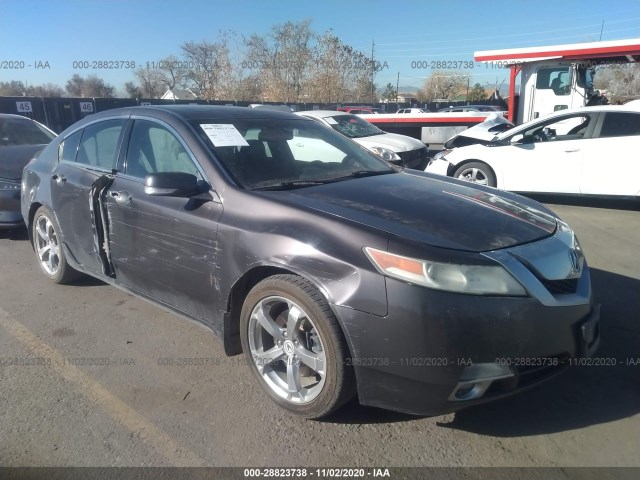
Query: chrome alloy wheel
pixel 287 349
pixel 47 245
pixel 474 175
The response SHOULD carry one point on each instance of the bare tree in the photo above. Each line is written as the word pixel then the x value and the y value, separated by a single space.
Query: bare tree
pixel 210 68
pixel 45 90
pixel 133 90
pixel 621 82
pixel 283 59
pixel 12 88
pixel 92 86
pixel 339 73
pixel 443 85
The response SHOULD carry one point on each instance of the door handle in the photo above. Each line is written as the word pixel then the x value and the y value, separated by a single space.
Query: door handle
pixel 122 198
pixel 59 179
pixel 572 151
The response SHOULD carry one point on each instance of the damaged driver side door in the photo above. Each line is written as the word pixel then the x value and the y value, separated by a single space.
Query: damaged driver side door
pixel 164 247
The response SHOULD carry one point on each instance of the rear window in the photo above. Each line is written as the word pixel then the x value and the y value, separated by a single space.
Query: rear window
pixel 620 124
pixel 23 132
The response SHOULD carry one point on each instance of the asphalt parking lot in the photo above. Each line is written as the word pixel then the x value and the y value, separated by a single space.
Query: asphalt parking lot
pixel 94 385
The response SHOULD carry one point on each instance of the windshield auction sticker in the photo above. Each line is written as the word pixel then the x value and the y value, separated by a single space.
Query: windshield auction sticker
pixel 224 135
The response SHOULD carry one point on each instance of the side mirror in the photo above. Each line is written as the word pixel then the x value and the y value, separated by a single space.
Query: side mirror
pixel 171 184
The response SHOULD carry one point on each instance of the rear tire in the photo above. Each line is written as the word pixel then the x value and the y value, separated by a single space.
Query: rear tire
pixel 476 172
pixel 295 346
pixel 48 249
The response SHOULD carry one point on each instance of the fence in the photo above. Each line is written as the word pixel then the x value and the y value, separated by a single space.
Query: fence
pixel 60 113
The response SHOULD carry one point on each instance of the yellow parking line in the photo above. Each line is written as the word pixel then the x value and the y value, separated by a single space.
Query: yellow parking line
pixel 152 436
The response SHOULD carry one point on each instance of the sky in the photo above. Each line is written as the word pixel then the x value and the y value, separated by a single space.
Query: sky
pixel 408 35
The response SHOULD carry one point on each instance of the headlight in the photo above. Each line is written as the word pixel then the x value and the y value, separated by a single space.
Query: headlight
pixel 442 154
pixel 9 185
pixel 470 279
pixel 385 153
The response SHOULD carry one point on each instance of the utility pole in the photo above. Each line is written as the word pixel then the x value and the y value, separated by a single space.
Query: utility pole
pixel 397 91
pixel 601 29
pixel 373 69
pixel 468 80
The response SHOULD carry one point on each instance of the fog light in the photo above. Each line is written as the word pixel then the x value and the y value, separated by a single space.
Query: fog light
pixel 463 391
pixel 476 380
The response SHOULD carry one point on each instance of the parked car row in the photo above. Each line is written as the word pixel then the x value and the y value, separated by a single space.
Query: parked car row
pixel 20 139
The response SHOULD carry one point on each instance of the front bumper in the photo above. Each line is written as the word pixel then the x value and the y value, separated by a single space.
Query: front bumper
pixel 414 159
pixel 439 167
pixel 10 215
pixel 414 359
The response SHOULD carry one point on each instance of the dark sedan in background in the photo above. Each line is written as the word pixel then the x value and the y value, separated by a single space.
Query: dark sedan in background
pixel 20 139
pixel 315 268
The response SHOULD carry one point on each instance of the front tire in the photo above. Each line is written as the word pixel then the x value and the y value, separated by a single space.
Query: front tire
pixel 295 346
pixel 476 172
pixel 49 251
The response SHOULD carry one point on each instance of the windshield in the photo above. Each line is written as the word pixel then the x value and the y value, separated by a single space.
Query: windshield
pixel 352 126
pixel 16 131
pixel 276 153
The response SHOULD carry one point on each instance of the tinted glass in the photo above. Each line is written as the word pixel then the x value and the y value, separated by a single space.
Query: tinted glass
pixel 99 144
pixel 69 147
pixel 620 124
pixel 23 132
pixel 352 126
pixel 557 79
pixel 566 128
pixel 155 149
pixel 266 153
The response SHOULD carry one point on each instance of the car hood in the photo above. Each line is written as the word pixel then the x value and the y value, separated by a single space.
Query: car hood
pixel 482 132
pixel 436 211
pixel 14 158
pixel 392 141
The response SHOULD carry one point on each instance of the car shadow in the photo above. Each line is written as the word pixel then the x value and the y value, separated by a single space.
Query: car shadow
pixel 15 234
pixel 583 395
pixel 355 414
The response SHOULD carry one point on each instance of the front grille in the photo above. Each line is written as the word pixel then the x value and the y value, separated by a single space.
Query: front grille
pixel 559 287
pixel 414 158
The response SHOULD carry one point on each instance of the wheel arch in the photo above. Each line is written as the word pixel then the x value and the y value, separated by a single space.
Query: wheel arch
pixel 239 291
pixel 453 168
pixel 33 208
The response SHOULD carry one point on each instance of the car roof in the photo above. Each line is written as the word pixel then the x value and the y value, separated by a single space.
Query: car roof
pixel 322 113
pixel 195 112
pixel 8 116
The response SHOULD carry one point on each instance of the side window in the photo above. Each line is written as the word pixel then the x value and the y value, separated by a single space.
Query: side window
pixel 557 79
pixel 154 149
pixel 620 124
pixel 566 128
pixel 98 147
pixel 68 148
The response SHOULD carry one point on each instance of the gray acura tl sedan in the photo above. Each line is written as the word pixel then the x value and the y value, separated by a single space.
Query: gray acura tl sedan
pixel 334 272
